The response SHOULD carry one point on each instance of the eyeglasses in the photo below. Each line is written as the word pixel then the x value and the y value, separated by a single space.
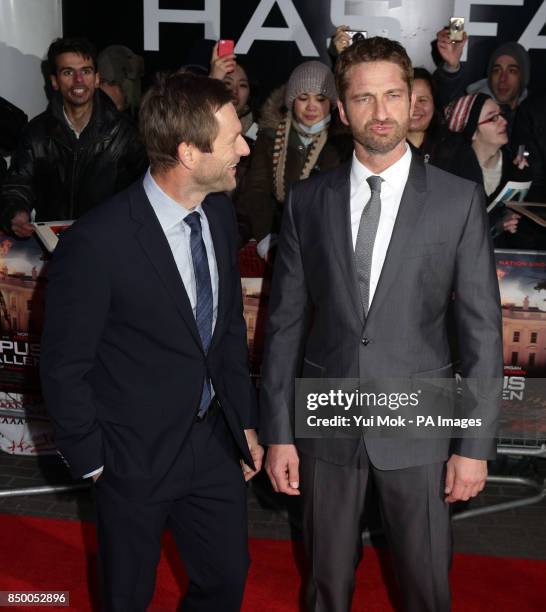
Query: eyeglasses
pixel 493 119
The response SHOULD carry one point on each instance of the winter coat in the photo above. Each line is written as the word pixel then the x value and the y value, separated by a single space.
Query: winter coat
pixel 457 156
pixel 61 176
pixel 257 202
pixel 530 131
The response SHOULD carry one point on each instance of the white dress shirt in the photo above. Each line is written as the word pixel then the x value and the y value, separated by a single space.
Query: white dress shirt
pixel 171 216
pixel 392 188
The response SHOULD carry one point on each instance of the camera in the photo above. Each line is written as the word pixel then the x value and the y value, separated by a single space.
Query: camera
pixel 357 35
pixel 456 29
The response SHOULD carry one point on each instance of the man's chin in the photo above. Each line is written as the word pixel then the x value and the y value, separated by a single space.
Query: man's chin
pixel 380 146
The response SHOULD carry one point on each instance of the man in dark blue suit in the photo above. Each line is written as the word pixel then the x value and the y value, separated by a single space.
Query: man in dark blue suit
pixel 144 358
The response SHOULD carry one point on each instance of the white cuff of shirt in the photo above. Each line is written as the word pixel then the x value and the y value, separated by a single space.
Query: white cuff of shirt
pixel 265 244
pixel 94 472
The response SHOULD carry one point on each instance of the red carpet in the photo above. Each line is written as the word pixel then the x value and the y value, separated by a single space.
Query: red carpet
pixel 48 554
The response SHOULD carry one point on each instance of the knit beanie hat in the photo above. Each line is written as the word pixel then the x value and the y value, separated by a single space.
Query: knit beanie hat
pixel 463 114
pixel 515 50
pixel 310 77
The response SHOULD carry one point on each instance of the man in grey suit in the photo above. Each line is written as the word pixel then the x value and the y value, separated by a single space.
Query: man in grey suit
pixel 369 259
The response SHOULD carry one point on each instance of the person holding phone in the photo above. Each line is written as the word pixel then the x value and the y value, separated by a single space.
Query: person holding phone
pixel 476 150
pixel 225 67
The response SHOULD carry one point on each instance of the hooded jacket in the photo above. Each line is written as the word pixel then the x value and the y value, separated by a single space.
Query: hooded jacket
pixel 453 85
pixel 61 176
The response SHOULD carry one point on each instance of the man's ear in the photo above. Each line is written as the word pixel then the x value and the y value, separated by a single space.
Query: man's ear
pixel 187 155
pixel 54 84
pixel 342 114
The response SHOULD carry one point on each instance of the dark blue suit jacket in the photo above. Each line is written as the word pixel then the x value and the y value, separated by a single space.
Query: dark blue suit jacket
pixel 122 362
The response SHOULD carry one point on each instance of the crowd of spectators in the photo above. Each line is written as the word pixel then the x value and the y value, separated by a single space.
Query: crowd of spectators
pixel 85 146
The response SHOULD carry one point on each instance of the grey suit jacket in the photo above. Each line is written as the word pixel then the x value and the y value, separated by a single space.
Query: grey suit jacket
pixel 440 247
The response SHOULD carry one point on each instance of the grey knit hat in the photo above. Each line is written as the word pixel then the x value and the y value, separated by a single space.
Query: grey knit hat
pixel 518 52
pixel 310 77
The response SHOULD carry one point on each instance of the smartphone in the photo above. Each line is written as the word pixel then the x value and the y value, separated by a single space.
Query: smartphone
pixel 522 152
pixel 456 29
pixel 356 35
pixel 225 47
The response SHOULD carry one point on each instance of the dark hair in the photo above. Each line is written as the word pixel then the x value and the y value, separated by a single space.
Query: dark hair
pixel 80 46
pixel 437 117
pixel 375 49
pixel 180 107
pixel 424 75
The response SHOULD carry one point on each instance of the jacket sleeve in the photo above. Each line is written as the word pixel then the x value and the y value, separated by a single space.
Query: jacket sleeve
pixel 479 330
pixel 235 348
pixel 289 310
pixel 17 192
pixel 449 85
pixel 78 297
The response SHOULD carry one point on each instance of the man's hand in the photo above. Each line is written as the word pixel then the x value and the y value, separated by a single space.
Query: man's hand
pixel 21 226
pixel 465 478
pixel 449 50
pixel 282 467
pixel 256 452
pixel 220 66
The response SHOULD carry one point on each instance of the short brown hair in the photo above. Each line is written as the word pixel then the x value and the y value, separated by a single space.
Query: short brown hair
pixel 375 49
pixel 180 107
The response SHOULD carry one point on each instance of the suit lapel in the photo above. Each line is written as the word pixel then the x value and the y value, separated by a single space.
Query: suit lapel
pixel 338 201
pixel 404 230
pixel 154 243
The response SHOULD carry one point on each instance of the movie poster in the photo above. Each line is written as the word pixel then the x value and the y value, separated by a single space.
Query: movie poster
pixel 256 283
pixel 522 284
pixel 24 426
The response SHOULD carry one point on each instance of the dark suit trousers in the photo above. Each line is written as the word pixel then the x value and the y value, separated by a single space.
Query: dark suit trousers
pixel 415 521
pixel 208 519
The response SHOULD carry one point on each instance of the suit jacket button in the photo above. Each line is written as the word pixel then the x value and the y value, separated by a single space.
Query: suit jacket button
pixel 365 341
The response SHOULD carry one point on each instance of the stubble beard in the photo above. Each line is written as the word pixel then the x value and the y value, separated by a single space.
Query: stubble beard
pixel 376 144
pixel 214 182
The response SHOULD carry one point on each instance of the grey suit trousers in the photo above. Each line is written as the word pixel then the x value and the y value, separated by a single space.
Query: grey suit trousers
pixel 415 521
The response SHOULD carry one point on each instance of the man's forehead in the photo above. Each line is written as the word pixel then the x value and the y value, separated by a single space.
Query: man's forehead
pixel 227 118
pixel 506 61
pixel 380 69
pixel 71 60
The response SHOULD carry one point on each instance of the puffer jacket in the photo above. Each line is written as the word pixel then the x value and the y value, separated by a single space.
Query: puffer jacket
pixel 257 200
pixel 61 176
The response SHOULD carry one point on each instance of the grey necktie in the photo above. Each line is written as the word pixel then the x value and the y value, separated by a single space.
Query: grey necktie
pixel 365 239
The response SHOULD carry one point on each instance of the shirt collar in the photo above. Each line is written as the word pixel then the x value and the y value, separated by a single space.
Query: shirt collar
pixel 395 176
pixel 167 210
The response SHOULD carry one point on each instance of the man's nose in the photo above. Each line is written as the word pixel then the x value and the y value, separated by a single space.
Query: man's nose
pixel 380 110
pixel 78 76
pixel 244 149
